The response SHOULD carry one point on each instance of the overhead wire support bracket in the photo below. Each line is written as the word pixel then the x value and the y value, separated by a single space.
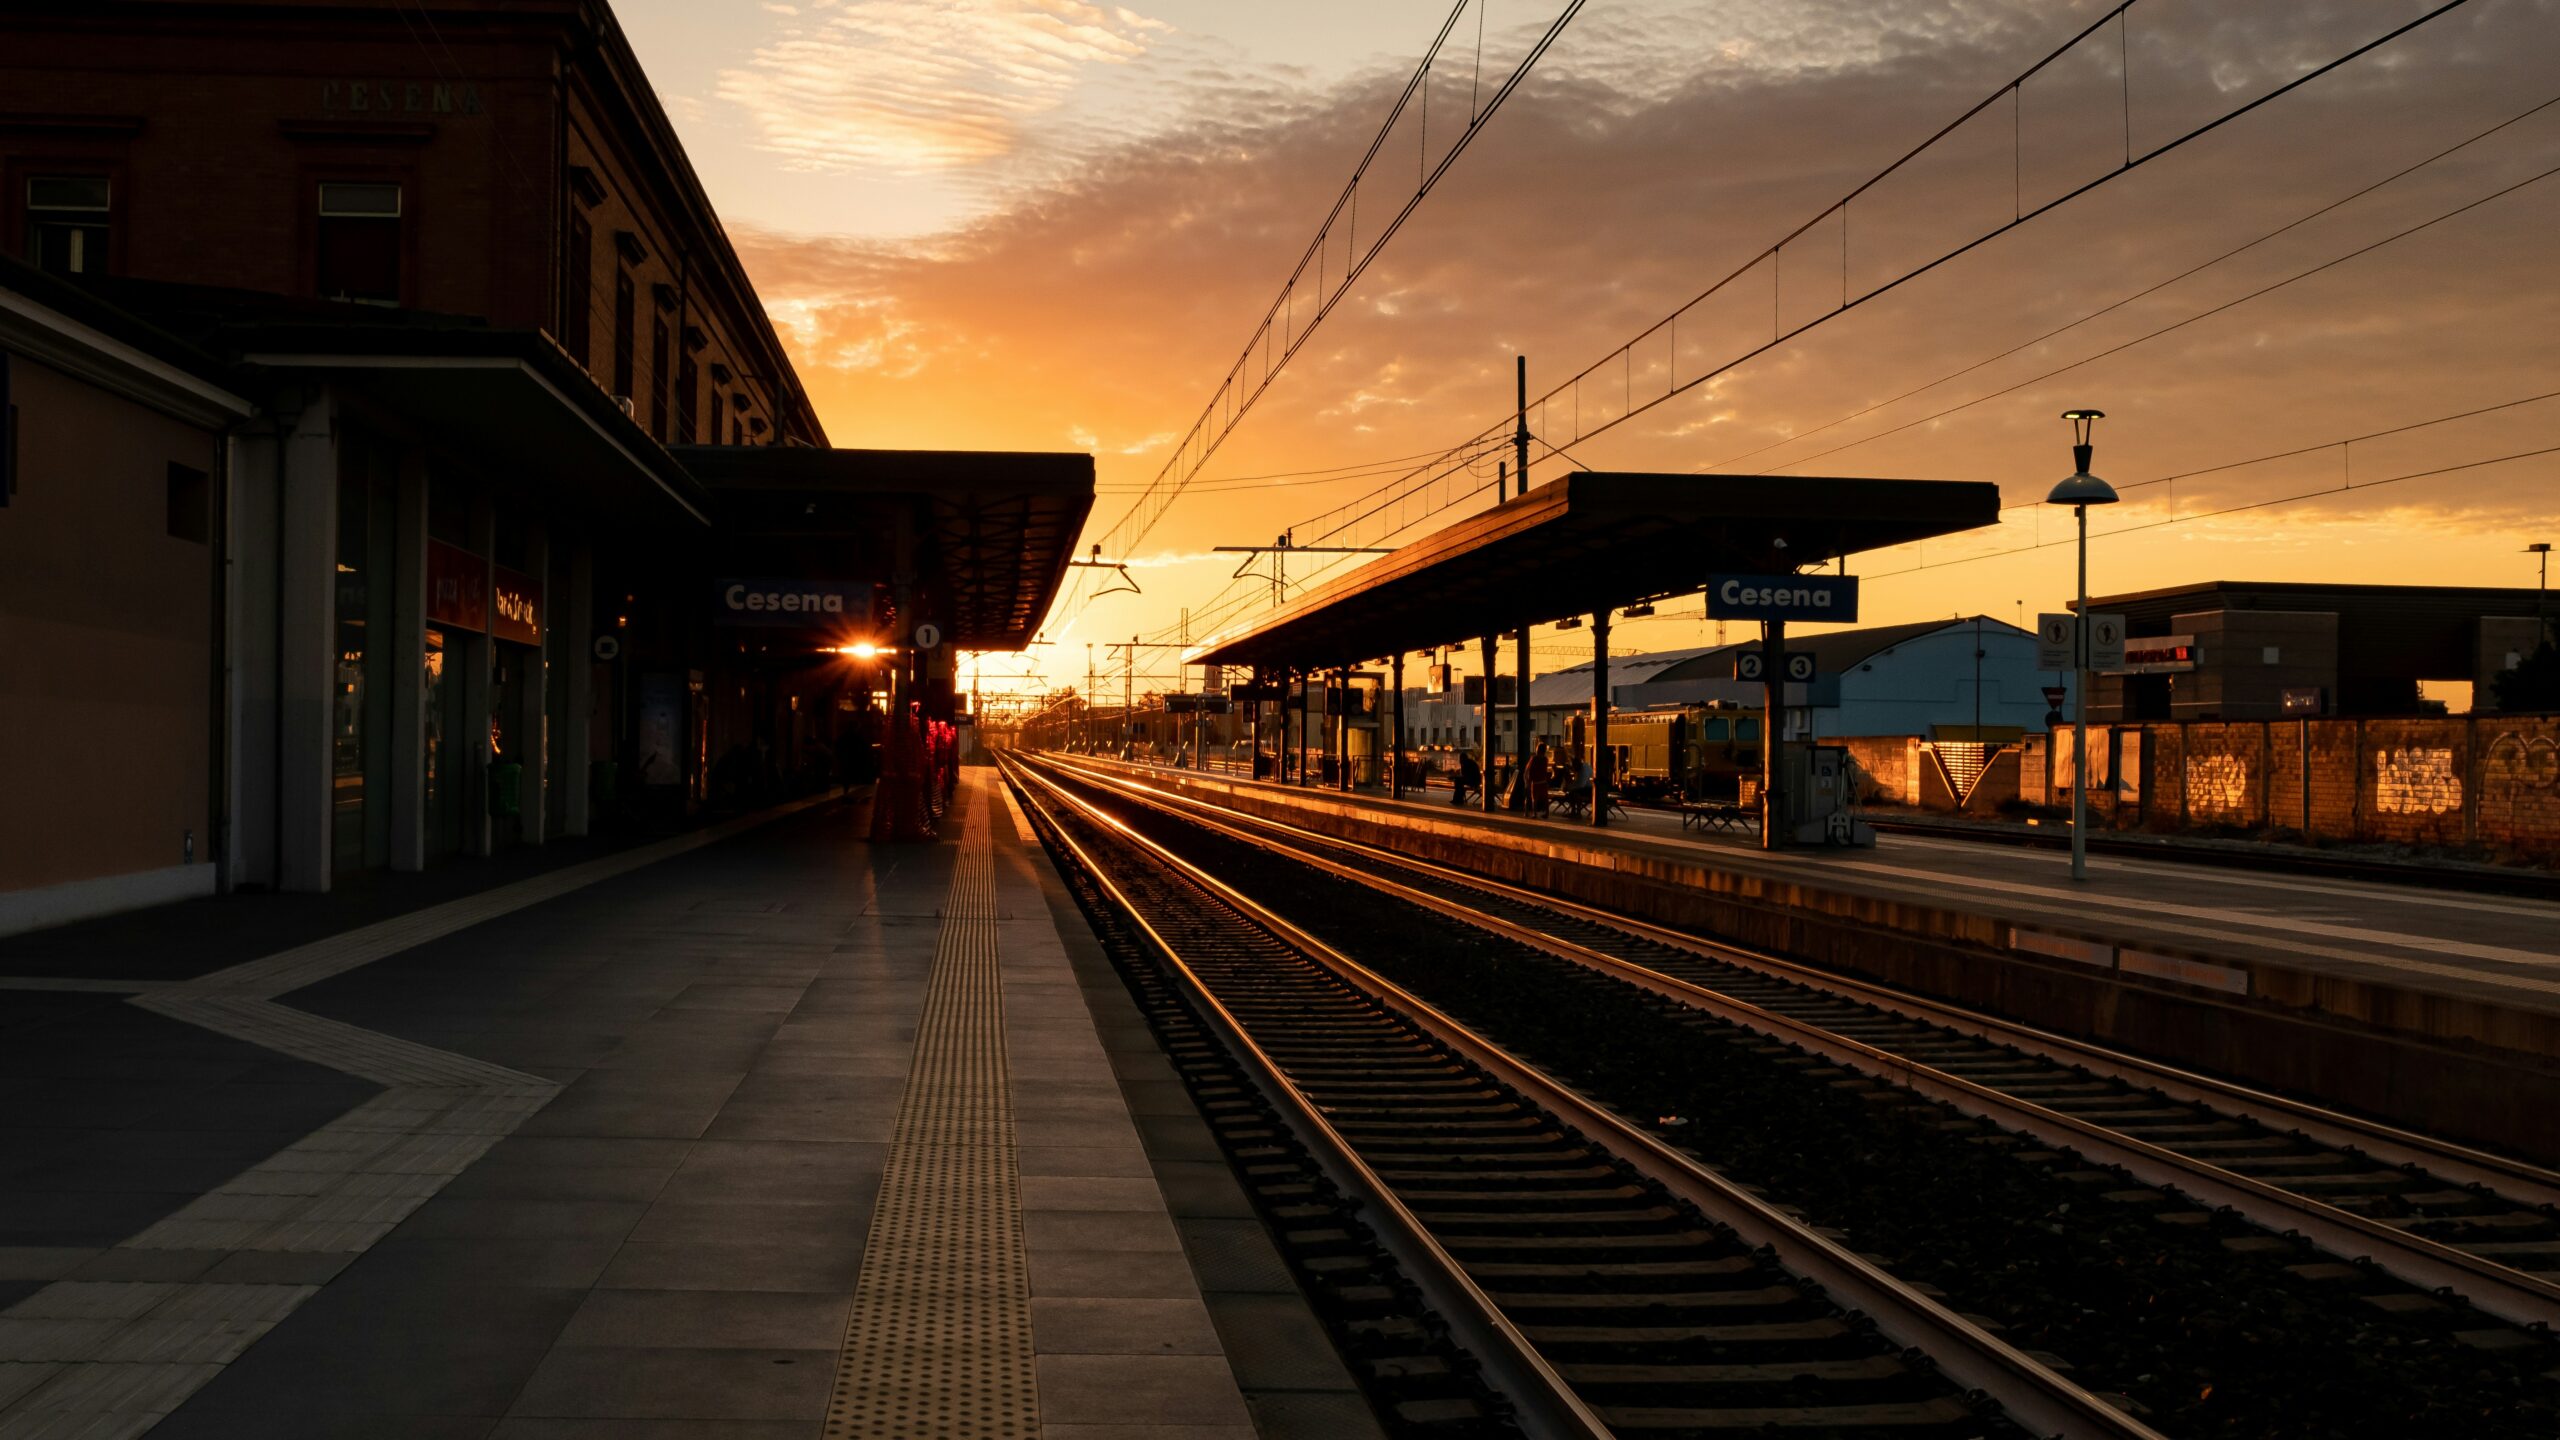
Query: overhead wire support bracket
pixel 1280 329
pixel 1128 583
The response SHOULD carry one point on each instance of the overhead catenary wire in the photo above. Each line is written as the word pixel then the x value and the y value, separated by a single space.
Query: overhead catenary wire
pixel 1407 488
pixel 2118 349
pixel 2112 306
pixel 1241 388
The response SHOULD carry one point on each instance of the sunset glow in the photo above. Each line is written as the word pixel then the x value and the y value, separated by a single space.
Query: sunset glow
pixel 1056 234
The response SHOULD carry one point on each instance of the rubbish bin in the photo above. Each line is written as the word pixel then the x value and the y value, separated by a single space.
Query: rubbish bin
pixel 506 790
pixel 604 783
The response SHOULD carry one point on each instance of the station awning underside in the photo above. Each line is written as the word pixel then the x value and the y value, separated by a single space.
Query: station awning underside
pixel 992 530
pixel 1592 541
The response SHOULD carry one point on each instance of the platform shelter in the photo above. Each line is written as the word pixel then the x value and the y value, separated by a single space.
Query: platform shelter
pixel 1586 544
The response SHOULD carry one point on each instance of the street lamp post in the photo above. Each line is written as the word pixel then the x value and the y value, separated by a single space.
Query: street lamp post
pixel 2080 490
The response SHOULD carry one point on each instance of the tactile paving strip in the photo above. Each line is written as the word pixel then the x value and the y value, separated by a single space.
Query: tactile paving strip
pixel 938 1346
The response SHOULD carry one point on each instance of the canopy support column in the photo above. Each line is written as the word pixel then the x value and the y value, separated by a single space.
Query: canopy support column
pixel 1491 712
pixel 1395 732
pixel 1773 720
pixel 1520 747
pixel 1602 770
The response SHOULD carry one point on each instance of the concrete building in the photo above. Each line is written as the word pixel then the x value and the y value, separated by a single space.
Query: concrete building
pixel 2240 650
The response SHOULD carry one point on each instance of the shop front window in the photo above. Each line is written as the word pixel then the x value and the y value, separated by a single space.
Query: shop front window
pixel 360 710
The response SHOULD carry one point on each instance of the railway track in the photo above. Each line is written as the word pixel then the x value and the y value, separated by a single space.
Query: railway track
pixel 2436 1215
pixel 1608 1283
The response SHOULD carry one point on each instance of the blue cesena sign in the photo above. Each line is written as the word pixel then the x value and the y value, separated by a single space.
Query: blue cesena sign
pixel 1782 597
pixel 790 604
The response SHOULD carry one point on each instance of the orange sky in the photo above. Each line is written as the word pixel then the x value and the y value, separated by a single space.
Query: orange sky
pixel 1064 246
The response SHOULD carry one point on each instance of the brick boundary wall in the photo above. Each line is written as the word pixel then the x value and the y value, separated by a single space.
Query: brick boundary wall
pixel 2487 785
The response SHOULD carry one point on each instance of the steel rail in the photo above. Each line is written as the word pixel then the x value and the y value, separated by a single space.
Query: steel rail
pixel 2524 1183
pixel 1546 1404
pixel 2034 1395
pixel 2501 1290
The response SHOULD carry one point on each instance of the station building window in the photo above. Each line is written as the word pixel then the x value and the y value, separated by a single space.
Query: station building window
pixel 625 316
pixel 719 408
pixel 67 220
pixel 688 388
pixel 577 292
pixel 358 242
pixel 658 378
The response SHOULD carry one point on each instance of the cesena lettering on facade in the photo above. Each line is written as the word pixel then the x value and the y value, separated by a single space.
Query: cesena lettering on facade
pixel 399 97
pixel 784 602
pixel 795 601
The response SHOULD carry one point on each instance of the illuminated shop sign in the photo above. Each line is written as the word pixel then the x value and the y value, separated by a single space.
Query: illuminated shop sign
pixel 517 599
pixel 2156 655
pixel 791 604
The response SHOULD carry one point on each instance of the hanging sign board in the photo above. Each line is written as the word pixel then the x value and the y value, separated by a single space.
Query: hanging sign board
pixel 1752 664
pixel 457 588
pixel 1782 597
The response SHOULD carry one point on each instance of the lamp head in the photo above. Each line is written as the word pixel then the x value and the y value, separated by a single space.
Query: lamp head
pixel 2082 488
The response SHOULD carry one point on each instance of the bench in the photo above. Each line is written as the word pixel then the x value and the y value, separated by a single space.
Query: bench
pixel 1575 802
pixel 1718 815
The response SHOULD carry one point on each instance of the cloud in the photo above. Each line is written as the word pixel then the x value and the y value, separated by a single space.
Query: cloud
pixel 1107 302
pixel 906 87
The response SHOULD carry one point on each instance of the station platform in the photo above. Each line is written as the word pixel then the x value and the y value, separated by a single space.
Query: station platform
pixel 760 1131
pixel 2476 974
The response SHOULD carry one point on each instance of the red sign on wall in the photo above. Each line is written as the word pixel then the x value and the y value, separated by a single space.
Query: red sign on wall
pixel 519 606
pixel 457 587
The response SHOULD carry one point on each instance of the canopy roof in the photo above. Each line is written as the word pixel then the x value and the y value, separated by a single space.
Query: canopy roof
pixel 1593 541
pixel 993 529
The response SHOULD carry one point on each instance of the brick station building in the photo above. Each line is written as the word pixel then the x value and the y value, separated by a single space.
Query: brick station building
pixel 472 305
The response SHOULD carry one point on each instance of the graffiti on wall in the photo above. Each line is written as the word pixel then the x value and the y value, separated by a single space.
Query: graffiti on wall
pixel 2217 782
pixel 2416 781
pixel 2514 767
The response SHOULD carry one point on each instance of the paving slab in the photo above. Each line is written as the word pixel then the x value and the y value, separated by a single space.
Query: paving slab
pixel 604 1157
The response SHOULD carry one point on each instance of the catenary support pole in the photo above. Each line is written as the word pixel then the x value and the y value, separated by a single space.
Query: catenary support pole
pixel 1520 430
